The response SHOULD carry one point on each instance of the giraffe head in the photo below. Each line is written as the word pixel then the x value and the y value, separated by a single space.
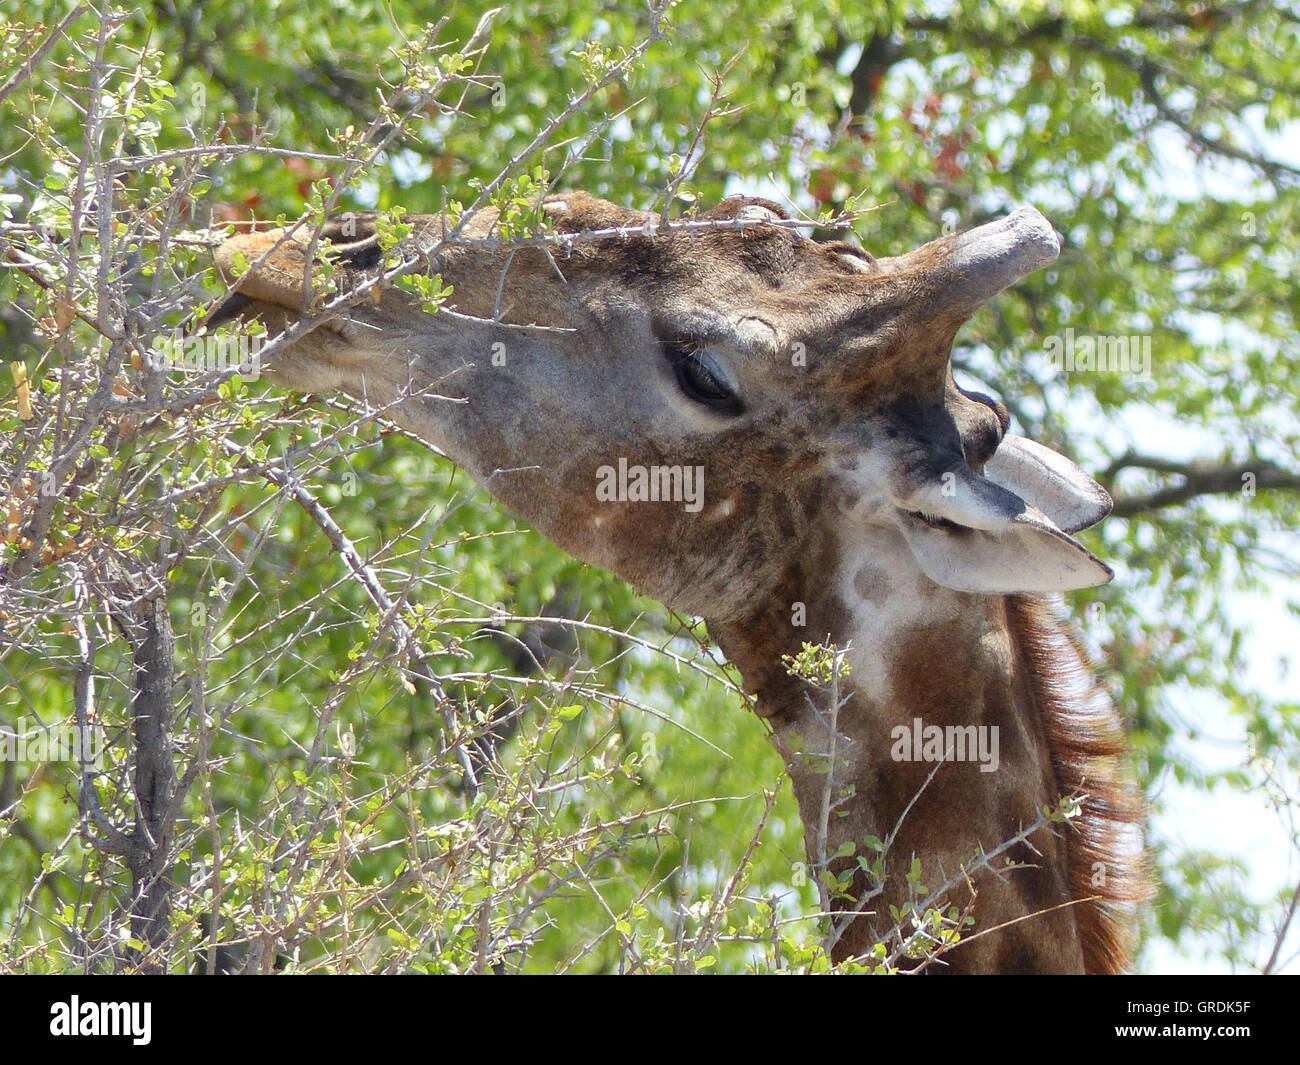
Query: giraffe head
pixel 759 379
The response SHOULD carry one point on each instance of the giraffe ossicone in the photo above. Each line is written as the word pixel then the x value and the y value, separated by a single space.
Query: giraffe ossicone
pixel 844 472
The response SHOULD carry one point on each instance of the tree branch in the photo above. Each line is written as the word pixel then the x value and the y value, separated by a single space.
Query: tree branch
pixel 139 610
pixel 1198 479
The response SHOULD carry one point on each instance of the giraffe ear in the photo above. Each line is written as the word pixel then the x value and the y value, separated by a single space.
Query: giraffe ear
pixel 1069 498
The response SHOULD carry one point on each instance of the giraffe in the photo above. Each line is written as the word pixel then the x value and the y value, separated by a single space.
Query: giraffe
pixel 850 491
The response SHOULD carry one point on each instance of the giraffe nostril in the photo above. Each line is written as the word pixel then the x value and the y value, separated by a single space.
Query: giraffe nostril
pixel 982 422
pixel 999 410
pixel 980 444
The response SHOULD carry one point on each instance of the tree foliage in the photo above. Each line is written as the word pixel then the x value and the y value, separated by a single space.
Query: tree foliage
pixel 348 623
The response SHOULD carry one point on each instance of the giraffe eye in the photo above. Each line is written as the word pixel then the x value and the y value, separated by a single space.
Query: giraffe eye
pixel 701 378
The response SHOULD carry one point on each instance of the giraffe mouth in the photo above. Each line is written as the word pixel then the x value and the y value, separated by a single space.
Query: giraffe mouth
pixel 935 521
pixel 1046 479
pixel 1026 554
pixel 1005 529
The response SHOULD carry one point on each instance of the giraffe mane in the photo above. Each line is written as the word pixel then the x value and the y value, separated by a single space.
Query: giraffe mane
pixel 1089 755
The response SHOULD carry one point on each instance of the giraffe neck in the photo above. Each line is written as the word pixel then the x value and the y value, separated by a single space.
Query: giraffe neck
pixel 936 722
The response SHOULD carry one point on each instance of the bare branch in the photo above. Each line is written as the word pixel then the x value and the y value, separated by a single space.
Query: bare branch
pixel 1198 479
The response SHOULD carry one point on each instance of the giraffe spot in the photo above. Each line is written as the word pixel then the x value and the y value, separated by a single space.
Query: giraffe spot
pixel 872 584
pixel 784 518
pixel 1038 889
pixel 1017 956
pixel 933 680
